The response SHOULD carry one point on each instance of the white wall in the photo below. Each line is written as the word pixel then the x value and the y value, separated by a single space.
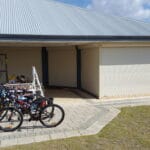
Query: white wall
pixel 20 60
pixel 124 72
pixel 90 70
pixel 62 66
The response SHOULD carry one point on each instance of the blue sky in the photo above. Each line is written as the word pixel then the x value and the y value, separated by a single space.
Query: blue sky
pixel 135 9
pixel 81 3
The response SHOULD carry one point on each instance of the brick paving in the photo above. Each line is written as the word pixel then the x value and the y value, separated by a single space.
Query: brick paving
pixel 82 118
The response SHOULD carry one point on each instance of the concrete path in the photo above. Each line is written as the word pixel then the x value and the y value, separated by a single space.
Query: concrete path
pixel 80 119
pixel 83 117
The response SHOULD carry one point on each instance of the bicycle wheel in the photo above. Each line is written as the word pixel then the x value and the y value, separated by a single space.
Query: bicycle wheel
pixel 52 115
pixel 12 119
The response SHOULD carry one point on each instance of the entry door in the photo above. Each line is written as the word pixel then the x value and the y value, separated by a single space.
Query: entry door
pixel 3 68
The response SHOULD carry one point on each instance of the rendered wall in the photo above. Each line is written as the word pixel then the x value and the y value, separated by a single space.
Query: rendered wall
pixel 62 66
pixel 124 72
pixel 90 70
pixel 20 60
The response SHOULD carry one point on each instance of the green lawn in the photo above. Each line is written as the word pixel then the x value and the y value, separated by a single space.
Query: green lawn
pixel 130 130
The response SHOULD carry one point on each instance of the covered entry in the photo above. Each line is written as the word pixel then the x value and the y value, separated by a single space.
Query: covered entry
pixel 71 67
pixel 58 67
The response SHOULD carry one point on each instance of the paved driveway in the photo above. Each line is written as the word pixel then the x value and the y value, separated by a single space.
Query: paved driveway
pixel 82 117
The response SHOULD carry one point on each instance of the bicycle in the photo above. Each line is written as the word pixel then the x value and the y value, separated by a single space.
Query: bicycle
pixel 41 109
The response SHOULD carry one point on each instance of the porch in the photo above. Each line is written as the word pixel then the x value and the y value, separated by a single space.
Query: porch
pixel 64 71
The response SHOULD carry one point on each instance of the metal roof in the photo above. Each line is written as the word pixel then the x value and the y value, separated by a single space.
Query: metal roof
pixel 51 18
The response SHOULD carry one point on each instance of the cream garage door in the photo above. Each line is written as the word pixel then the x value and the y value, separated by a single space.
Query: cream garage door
pixel 125 72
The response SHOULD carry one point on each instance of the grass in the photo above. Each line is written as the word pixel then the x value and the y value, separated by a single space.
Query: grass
pixel 130 130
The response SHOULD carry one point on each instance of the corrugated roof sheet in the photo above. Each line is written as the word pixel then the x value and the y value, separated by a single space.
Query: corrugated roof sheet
pixel 47 17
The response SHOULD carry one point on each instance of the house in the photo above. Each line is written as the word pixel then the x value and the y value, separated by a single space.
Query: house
pixel 105 55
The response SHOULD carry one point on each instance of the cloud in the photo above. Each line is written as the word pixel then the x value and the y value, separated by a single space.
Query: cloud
pixel 137 9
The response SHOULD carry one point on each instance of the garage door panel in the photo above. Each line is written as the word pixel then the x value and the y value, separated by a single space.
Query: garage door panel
pixel 125 72
pixel 125 56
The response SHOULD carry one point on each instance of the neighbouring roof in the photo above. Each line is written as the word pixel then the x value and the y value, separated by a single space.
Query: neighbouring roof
pixel 51 18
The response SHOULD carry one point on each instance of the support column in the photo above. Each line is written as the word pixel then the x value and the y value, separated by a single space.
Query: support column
pixel 45 76
pixel 78 52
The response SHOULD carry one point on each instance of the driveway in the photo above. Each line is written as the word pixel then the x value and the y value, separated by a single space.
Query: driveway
pixel 83 116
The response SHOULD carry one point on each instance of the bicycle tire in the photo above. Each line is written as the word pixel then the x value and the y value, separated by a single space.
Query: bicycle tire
pixel 52 113
pixel 8 119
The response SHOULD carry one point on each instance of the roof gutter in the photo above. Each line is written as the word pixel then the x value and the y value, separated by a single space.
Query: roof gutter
pixel 70 38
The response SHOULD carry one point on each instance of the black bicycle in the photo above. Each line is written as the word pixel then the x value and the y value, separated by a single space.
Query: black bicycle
pixel 50 116
pixel 42 109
